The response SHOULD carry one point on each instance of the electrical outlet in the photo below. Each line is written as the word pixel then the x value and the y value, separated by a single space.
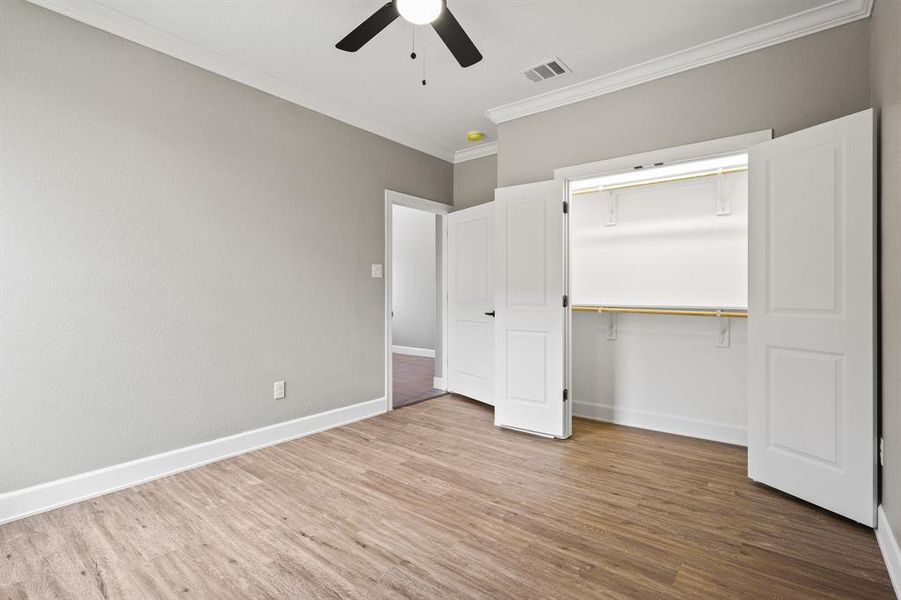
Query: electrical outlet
pixel 279 390
pixel 377 271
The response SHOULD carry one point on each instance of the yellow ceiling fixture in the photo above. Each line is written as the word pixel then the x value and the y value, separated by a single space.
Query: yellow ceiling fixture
pixel 475 136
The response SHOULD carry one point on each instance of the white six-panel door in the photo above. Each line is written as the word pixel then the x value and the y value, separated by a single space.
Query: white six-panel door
pixel 529 332
pixel 811 332
pixel 470 286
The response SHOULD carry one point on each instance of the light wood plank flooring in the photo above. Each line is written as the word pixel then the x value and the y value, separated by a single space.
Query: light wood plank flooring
pixel 412 379
pixel 433 501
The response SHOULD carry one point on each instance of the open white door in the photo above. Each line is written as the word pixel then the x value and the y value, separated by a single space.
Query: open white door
pixel 811 332
pixel 470 287
pixel 529 333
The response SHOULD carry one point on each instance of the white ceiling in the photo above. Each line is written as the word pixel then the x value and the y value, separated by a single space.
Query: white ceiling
pixel 288 48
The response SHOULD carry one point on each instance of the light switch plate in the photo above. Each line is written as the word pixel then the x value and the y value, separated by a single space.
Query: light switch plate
pixel 278 391
pixel 376 271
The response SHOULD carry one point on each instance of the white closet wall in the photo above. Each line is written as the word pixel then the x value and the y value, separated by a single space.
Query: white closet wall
pixel 663 245
pixel 663 373
pixel 677 244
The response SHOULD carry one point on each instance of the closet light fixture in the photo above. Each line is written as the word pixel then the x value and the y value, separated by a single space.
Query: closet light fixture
pixel 642 174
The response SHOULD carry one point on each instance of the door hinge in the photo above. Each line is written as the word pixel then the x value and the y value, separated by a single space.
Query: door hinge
pixel 565 395
pixel 565 300
pixel 565 207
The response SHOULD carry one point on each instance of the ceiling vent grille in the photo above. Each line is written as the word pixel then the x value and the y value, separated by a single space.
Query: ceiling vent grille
pixel 546 70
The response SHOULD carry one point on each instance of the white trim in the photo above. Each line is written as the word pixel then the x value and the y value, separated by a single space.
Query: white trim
pixel 441 210
pixel 788 28
pixel 706 430
pixel 412 351
pixel 474 152
pixel 402 199
pixel 118 23
pixel 55 494
pixel 442 385
pixel 891 554
pixel 696 151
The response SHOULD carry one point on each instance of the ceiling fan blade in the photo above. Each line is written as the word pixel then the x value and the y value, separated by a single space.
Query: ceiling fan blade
pixel 368 29
pixel 456 40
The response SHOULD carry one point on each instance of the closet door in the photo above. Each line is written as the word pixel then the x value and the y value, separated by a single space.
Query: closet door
pixel 811 332
pixel 529 333
pixel 470 292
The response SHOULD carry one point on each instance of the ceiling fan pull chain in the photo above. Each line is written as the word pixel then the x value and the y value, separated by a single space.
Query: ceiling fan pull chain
pixel 413 49
pixel 423 68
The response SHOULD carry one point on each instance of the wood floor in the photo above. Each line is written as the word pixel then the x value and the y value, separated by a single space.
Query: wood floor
pixel 434 502
pixel 413 378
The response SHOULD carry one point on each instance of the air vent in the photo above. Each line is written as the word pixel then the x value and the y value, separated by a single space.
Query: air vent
pixel 546 70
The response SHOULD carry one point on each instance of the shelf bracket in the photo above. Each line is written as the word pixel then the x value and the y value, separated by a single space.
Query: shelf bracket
pixel 611 326
pixel 610 199
pixel 724 330
pixel 723 205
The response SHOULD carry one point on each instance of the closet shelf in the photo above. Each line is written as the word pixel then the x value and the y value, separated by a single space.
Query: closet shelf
pixel 637 310
pixel 685 177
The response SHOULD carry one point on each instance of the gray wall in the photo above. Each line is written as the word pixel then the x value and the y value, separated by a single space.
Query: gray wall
pixel 474 181
pixel 414 278
pixel 172 243
pixel 885 70
pixel 786 87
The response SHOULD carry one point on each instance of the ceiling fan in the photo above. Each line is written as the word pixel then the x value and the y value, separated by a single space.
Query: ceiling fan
pixel 418 12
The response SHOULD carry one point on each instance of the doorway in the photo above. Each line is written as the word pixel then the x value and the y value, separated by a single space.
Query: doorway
pixel 414 292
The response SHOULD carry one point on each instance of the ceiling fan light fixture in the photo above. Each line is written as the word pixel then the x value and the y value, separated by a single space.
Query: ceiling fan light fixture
pixel 419 12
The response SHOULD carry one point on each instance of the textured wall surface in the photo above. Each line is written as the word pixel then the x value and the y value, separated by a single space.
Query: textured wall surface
pixel 474 181
pixel 172 243
pixel 885 74
pixel 786 87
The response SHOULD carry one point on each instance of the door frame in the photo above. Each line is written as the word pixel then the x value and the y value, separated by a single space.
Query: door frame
pixel 622 164
pixel 440 210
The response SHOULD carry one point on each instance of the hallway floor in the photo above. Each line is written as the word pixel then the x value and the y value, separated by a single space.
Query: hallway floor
pixel 413 379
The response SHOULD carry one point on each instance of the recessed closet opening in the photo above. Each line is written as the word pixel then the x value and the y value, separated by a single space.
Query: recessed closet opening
pixel 724 290
pixel 659 286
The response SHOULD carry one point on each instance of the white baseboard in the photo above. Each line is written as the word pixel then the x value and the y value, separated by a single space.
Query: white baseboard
pixel 54 494
pixel 707 430
pixel 438 383
pixel 413 351
pixel 891 553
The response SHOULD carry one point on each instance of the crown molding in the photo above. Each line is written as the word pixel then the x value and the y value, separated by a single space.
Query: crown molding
pixel 475 152
pixel 117 23
pixel 788 28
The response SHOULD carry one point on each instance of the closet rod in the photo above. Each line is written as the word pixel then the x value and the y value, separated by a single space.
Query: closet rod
pixel 634 310
pixel 623 186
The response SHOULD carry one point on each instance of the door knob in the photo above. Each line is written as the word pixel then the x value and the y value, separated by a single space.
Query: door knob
pixel 490 314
